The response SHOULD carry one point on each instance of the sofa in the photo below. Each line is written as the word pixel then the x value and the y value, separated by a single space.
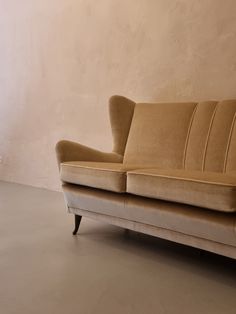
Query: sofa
pixel 171 173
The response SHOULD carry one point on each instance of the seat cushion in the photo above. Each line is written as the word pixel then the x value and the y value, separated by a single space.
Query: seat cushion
pixel 211 190
pixel 101 175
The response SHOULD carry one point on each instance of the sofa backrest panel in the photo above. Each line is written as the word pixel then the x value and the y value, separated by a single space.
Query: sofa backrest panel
pixel 158 134
pixel 231 154
pixel 196 144
pixel 220 147
pixel 184 135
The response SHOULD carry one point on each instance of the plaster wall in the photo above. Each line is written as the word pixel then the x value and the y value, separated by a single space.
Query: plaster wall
pixel 60 60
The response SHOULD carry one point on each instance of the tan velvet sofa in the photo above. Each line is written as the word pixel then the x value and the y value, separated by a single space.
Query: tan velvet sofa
pixel 171 174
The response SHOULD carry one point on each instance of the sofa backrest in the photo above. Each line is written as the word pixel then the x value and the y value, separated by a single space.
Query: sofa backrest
pixel 193 136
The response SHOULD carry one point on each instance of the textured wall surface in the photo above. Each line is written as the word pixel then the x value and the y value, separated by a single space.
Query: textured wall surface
pixel 60 60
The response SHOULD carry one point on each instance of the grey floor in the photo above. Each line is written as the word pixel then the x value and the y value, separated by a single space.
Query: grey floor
pixel 44 269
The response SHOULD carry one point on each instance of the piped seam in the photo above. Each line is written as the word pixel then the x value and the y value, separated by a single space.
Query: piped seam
pixel 208 136
pixel 229 142
pixel 188 135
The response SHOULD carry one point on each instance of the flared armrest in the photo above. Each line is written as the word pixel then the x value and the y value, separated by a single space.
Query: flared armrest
pixel 71 151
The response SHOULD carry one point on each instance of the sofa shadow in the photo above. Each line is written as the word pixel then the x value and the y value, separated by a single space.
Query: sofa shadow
pixel 174 255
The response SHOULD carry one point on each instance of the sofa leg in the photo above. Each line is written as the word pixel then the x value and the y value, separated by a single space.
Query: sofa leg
pixel 77 223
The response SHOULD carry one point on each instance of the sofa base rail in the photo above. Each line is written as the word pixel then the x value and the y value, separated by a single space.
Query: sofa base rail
pixel 174 236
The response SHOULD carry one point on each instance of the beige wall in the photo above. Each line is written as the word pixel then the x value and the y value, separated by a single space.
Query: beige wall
pixel 60 60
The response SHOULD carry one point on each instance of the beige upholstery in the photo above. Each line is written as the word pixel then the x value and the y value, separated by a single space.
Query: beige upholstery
pixel 212 190
pixel 168 234
pixel 187 153
pixel 184 136
pixel 101 175
pixel 121 113
pixel 195 221
pixel 71 151
pixel 158 134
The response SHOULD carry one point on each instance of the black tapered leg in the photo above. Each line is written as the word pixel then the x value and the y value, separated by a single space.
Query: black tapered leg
pixel 77 223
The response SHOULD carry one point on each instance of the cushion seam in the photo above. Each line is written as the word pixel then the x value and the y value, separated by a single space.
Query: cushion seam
pixel 170 199
pixel 229 142
pixel 182 179
pixel 208 136
pixel 188 135
pixel 93 168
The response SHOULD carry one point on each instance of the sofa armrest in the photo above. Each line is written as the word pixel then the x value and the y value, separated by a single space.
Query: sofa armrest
pixel 71 151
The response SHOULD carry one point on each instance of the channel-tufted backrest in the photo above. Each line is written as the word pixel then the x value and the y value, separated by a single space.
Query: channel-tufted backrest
pixel 194 136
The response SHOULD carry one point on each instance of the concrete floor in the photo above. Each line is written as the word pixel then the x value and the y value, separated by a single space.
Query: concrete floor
pixel 103 270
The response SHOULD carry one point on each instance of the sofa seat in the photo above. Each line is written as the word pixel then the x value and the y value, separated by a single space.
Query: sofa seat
pixel 101 175
pixel 211 190
pixel 171 173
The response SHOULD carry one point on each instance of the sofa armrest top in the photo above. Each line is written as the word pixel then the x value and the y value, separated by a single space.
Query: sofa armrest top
pixel 72 151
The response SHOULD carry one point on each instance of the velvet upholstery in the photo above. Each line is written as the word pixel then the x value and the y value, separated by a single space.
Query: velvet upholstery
pixel 121 111
pixel 158 134
pixel 168 234
pixel 194 136
pixel 177 152
pixel 71 151
pixel 101 175
pixel 185 219
pixel 212 190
